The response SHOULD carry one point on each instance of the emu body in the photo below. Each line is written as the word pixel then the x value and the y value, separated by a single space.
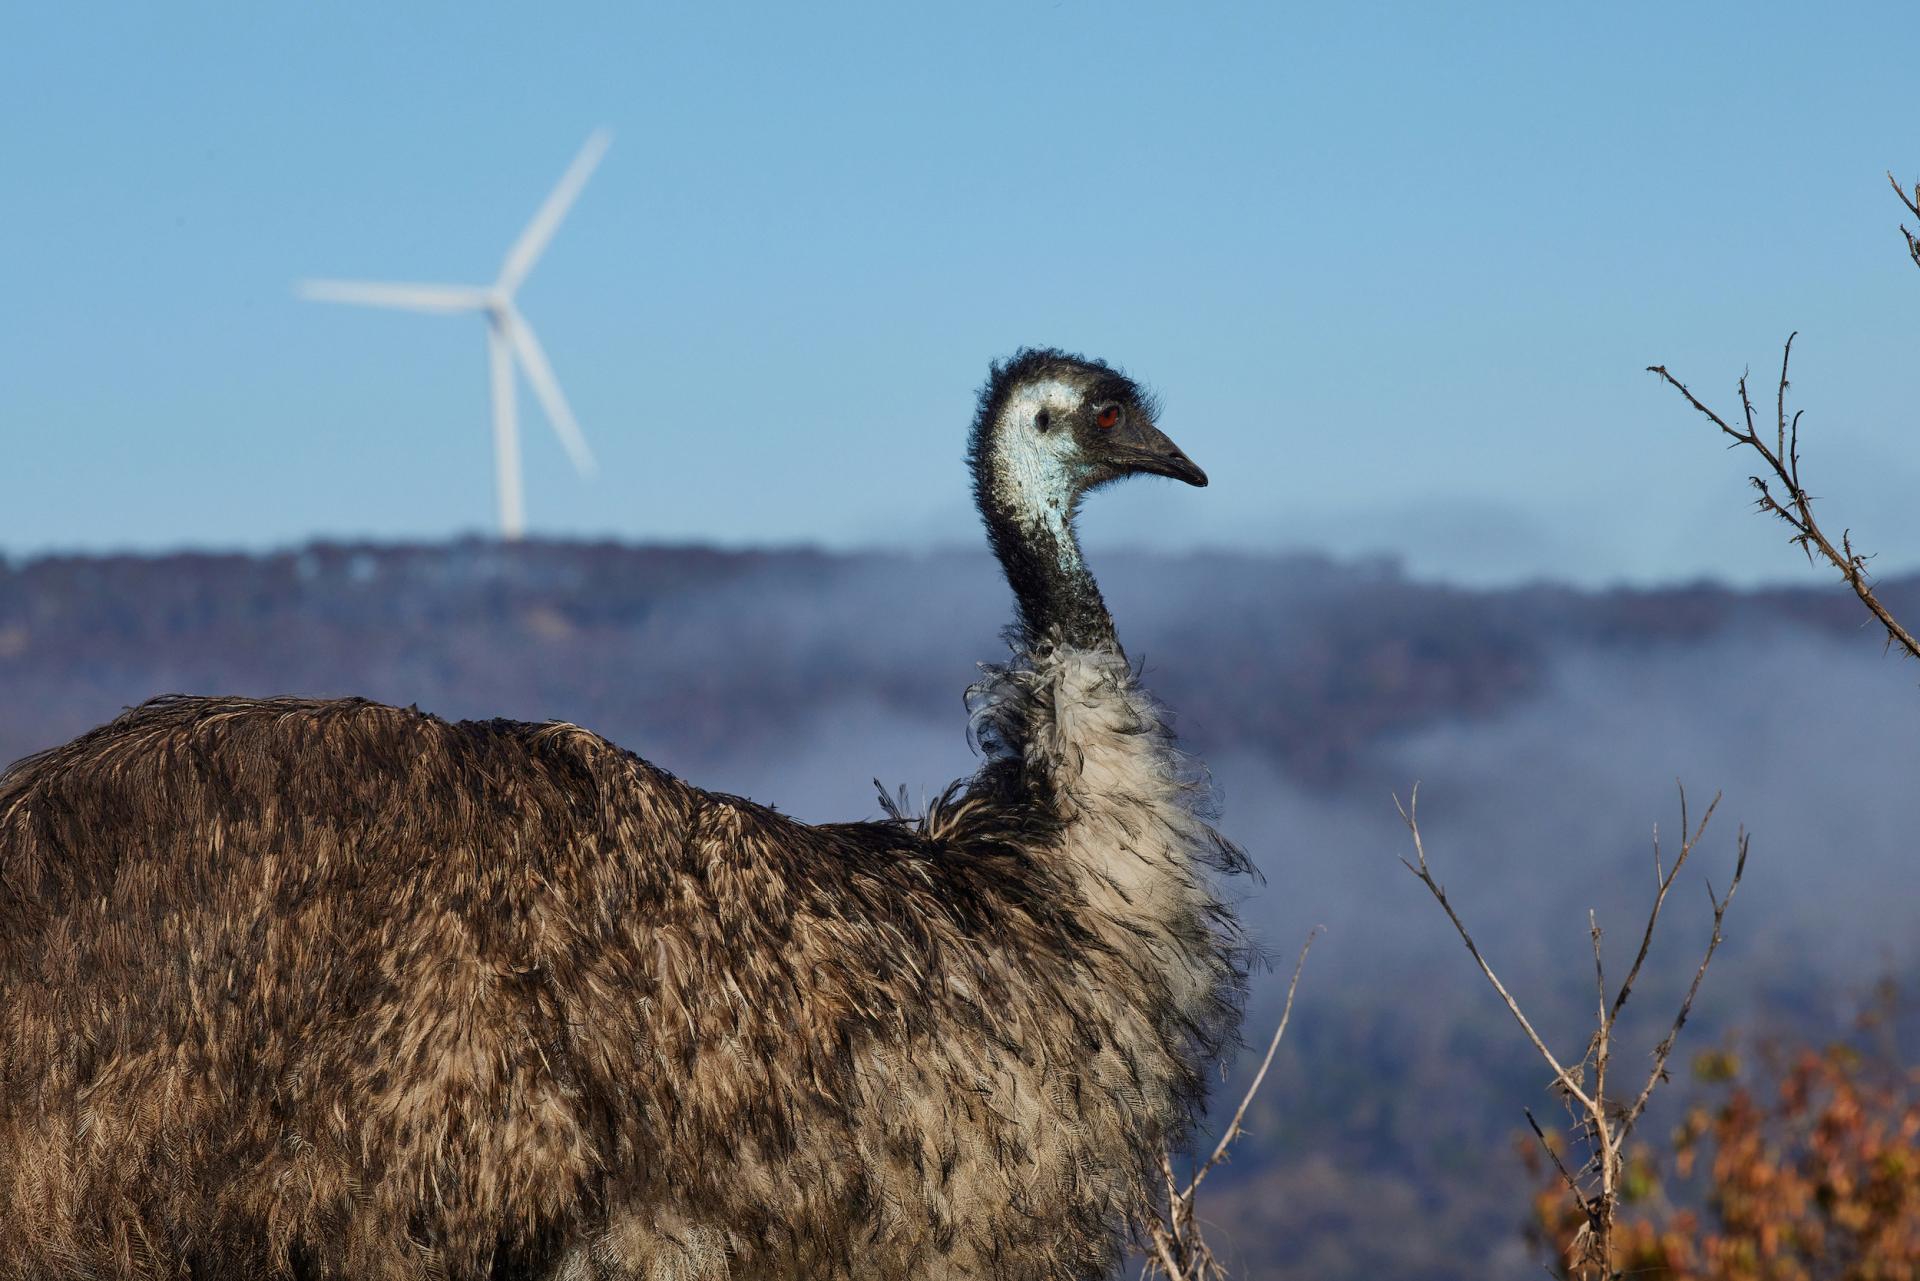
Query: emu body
pixel 335 989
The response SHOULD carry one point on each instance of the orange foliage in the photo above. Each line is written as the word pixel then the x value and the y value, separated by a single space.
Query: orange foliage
pixel 1813 1178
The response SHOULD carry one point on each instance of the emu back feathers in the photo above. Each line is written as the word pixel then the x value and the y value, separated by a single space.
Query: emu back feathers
pixel 335 989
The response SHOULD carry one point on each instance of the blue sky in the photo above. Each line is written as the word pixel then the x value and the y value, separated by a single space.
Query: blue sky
pixel 1394 269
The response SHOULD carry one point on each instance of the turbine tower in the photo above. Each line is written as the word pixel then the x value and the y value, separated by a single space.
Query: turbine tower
pixel 510 339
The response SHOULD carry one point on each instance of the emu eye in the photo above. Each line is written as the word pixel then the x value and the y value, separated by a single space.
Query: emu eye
pixel 1109 417
pixel 1042 420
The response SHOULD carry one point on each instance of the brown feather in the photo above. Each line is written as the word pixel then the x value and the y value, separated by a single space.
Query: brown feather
pixel 341 990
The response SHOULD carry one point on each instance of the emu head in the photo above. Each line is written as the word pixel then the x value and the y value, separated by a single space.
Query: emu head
pixel 1052 427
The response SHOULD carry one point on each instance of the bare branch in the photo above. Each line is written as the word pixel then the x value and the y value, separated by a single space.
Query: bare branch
pixel 1409 815
pixel 1179 1251
pixel 1600 1051
pixel 1913 207
pixel 1687 842
pixel 1163 1248
pixel 1233 1130
pixel 1782 460
pixel 1780 417
pixel 1911 202
pixel 1601 1125
pixel 1665 1048
pixel 1566 1175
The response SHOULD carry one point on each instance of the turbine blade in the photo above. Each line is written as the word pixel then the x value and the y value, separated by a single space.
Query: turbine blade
pixel 547 389
pixel 407 297
pixel 526 250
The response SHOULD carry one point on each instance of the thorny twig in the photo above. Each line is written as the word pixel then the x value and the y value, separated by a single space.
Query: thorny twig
pixel 1782 460
pixel 1180 1252
pixel 1602 1124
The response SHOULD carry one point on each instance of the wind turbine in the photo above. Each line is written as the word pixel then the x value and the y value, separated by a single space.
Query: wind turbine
pixel 509 338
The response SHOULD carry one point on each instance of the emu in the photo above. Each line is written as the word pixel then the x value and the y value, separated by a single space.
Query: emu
pixel 331 989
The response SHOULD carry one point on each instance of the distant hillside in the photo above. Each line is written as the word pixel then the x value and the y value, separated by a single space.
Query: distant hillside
pixel 691 652
pixel 1548 726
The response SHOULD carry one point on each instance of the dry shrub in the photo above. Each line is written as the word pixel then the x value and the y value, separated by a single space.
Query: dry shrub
pixel 1805 1167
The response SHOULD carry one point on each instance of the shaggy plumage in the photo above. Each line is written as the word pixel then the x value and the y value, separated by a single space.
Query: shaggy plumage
pixel 335 989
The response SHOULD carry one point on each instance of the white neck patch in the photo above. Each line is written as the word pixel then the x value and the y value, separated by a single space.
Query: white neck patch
pixel 1035 471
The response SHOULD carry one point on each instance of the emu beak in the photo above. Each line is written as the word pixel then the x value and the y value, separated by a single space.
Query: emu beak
pixel 1153 452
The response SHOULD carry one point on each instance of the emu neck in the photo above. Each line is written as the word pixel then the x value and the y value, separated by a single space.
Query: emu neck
pixel 1057 597
pixel 1027 501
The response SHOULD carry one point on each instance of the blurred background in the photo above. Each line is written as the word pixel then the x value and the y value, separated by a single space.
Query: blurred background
pixel 1396 272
